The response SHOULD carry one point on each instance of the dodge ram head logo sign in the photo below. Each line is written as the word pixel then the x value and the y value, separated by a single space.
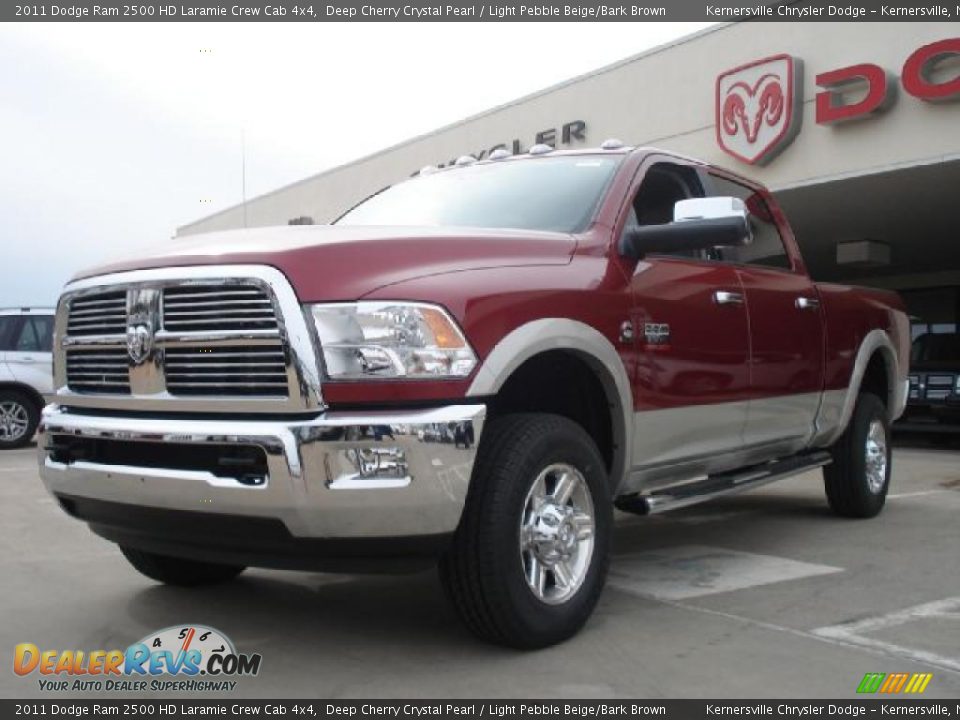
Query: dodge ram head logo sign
pixel 759 105
pixel 143 311
pixel 758 108
pixel 139 342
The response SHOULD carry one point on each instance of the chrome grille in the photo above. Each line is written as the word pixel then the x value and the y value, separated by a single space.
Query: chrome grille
pixel 193 339
pixel 932 386
pixel 102 370
pixel 235 370
pixel 192 308
pixel 98 314
pixel 939 387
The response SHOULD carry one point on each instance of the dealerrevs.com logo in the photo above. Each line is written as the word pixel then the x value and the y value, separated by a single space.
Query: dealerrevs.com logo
pixel 187 658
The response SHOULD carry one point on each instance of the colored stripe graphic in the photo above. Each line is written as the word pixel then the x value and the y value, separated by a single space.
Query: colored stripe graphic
pixel 894 683
pixel 927 677
pixel 871 682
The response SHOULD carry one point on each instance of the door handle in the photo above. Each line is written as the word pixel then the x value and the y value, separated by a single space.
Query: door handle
pixel 725 297
pixel 807 303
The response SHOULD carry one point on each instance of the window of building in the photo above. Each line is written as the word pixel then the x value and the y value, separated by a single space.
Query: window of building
pixel 932 310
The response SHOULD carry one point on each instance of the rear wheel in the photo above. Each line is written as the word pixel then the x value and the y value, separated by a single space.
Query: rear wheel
pixel 858 478
pixel 19 416
pixel 178 571
pixel 530 557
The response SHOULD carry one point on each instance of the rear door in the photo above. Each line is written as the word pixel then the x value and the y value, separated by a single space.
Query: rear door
pixel 30 357
pixel 786 325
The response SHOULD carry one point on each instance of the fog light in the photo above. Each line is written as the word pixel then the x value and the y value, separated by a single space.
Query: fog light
pixel 367 466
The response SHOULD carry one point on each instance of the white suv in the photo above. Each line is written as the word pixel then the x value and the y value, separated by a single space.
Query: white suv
pixel 26 373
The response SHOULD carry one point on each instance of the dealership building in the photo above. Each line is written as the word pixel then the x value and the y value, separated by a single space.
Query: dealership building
pixel 854 126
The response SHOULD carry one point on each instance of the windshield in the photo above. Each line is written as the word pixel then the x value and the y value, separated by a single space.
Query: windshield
pixel 549 193
pixel 936 348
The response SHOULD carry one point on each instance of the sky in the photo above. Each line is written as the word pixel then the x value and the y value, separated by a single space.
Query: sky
pixel 114 134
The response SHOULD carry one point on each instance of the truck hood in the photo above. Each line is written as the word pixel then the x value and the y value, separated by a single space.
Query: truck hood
pixel 340 262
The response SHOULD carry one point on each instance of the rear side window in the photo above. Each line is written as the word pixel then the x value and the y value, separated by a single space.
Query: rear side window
pixel 8 325
pixel 36 335
pixel 767 248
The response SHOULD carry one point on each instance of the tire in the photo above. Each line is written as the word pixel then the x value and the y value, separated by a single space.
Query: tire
pixel 516 522
pixel 178 571
pixel 19 417
pixel 856 488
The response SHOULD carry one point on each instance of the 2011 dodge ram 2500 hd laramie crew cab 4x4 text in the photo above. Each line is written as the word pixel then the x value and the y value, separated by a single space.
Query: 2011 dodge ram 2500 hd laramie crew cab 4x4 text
pixel 472 366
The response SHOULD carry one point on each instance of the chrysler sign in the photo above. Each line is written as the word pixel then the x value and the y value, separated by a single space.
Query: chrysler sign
pixel 758 105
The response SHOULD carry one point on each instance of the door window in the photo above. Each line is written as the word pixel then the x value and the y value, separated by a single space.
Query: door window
pixel 663 186
pixel 8 326
pixel 36 335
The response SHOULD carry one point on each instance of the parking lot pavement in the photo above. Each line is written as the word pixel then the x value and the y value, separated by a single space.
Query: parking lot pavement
pixel 765 594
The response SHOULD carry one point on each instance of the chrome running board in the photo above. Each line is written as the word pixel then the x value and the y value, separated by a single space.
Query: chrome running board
pixel 714 486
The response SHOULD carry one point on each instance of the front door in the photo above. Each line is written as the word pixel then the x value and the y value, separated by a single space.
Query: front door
pixel 692 382
pixel 691 386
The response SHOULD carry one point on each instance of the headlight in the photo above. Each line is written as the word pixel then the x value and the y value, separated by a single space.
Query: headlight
pixel 368 340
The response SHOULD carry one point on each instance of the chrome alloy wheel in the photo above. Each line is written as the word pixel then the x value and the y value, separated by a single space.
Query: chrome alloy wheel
pixel 557 530
pixel 14 421
pixel 876 457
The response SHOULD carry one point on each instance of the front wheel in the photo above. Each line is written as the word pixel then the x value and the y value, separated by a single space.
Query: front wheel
pixel 530 556
pixel 179 571
pixel 857 480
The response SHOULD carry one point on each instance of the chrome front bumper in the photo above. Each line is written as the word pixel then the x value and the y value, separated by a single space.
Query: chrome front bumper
pixel 336 475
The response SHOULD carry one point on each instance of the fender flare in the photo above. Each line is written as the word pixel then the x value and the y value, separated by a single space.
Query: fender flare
pixel 873 342
pixel 588 344
pixel 25 389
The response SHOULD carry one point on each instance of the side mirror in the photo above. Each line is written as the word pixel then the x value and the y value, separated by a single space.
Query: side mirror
pixel 698 224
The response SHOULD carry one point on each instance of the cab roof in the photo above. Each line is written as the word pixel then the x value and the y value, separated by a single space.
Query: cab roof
pixel 27 311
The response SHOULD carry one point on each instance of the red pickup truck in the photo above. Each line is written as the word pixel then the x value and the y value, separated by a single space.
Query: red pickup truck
pixel 474 366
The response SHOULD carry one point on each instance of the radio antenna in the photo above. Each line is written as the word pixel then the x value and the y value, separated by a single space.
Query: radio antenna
pixel 243 172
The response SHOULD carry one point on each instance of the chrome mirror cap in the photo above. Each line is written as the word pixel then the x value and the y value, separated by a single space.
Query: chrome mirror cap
pixel 709 208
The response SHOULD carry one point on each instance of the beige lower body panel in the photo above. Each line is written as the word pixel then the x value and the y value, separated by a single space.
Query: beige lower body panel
pixel 678 444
